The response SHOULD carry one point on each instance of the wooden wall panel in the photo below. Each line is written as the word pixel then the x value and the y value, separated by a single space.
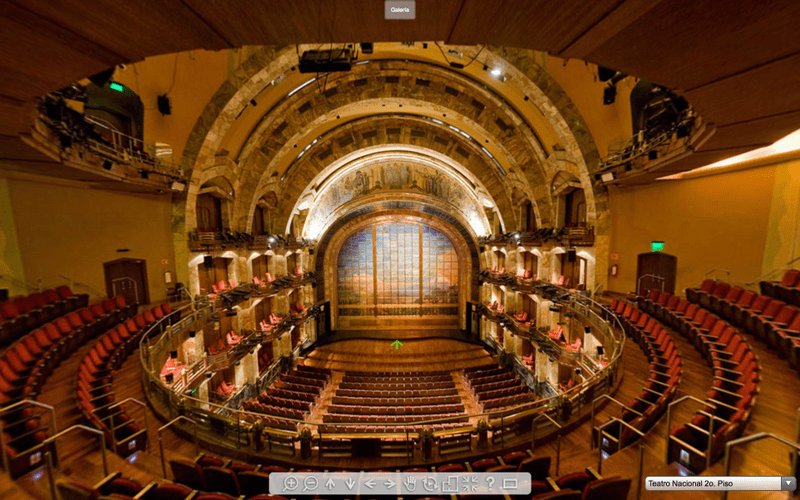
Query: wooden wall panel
pixel 688 44
pixel 543 24
pixel 133 29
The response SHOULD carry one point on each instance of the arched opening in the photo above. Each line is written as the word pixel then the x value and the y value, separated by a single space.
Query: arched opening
pixel 528 217
pixel 570 200
pixel 213 206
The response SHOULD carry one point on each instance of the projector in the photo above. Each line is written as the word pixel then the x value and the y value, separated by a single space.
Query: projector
pixel 325 61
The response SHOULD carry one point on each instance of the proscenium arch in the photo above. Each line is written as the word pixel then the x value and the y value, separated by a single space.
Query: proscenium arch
pixel 332 241
pixel 477 166
pixel 409 157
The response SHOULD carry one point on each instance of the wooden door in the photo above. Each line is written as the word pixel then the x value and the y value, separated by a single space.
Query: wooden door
pixel 127 277
pixel 656 270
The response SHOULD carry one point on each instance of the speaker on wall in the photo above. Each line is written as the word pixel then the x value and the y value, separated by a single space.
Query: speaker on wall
pixel 571 255
pixel 208 261
pixel 600 350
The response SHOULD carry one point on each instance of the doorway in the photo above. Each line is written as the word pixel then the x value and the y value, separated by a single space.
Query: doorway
pixel 127 277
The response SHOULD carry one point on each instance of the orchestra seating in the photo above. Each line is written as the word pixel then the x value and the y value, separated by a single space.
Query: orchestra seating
pixel 731 398
pixel 96 373
pixel 497 388
pixel 27 363
pixel 376 400
pixel 291 396
pixel 659 389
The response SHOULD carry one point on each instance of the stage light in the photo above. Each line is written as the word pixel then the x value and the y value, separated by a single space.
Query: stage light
pixel 496 72
pixel 587 329
pixel 609 95
pixel 652 154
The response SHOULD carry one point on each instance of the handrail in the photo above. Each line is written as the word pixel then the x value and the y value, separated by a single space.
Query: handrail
pixel 641 451
pixel 558 439
pixel 656 277
pixel 749 439
pixel 710 424
pixel 146 426
pixel 161 444
pixel 606 396
pixel 49 456
pixel 600 430
pixel 6 409
pixel 201 308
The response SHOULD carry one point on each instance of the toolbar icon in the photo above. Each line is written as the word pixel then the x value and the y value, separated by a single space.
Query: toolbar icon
pixel 430 483
pixel 451 485
pixel 290 483
pixel 410 483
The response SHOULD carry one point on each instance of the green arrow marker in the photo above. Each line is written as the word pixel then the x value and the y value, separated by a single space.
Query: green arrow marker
pixel 397 344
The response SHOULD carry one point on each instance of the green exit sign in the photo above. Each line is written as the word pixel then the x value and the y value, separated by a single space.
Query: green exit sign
pixel 656 246
pixel 116 86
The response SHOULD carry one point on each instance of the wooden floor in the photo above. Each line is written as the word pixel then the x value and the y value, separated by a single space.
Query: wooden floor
pixel 415 355
pixel 775 412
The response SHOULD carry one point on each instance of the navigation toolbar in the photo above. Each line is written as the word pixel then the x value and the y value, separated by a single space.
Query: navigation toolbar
pixel 400 483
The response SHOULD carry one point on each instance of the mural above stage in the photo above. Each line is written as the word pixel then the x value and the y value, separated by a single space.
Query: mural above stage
pixel 398 269
pixel 395 176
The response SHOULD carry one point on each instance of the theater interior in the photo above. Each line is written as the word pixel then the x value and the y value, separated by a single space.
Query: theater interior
pixel 246 238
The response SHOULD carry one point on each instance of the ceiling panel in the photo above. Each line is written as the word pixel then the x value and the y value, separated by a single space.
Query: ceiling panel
pixel 168 26
pixel 768 90
pixel 37 56
pixel 539 24
pixel 687 44
pixel 757 133
pixel 248 22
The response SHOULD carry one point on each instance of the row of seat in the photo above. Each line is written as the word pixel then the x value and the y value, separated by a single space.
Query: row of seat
pixel 95 395
pixel 372 425
pixel 378 386
pixel 399 393
pixel 292 395
pixel 730 400
pixel 25 366
pixel 496 387
pixel 394 374
pixel 401 401
pixel 116 487
pixel 395 410
pixel 285 402
pixel 660 388
pixel 277 411
pixel 22 314
pixel 397 378
pixel 768 317
pixel 787 289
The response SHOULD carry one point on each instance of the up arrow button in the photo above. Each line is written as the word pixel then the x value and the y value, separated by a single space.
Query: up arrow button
pixel 330 484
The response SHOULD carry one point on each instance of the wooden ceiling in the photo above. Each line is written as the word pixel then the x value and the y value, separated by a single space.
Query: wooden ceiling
pixel 737 62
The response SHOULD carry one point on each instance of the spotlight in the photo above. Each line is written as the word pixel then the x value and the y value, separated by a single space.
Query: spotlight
pixel 366 47
pixel 609 95
pixel 485 67
pixel 192 334
pixel 164 104
pixel 173 354
pixel 587 329
pixel 496 72
pixel 652 154
pixel 253 102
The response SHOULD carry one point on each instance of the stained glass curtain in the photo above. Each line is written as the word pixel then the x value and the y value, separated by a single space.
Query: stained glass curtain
pixel 398 269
